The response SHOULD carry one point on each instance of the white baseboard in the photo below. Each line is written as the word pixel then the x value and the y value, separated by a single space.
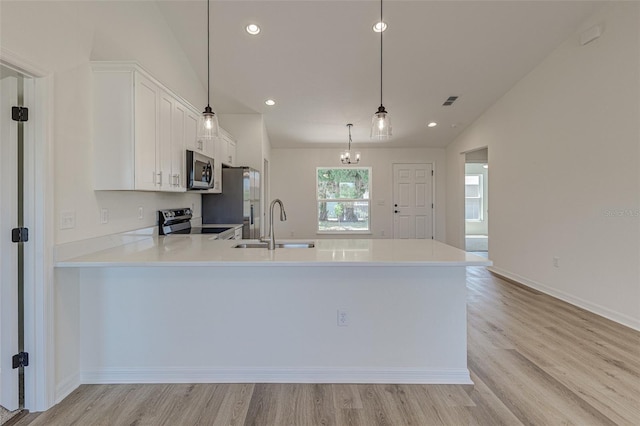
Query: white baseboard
pixel 66 386
pixel 577 301
pixel 275 375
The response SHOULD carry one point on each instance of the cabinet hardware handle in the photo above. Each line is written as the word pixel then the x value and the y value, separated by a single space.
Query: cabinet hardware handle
pixel 160 178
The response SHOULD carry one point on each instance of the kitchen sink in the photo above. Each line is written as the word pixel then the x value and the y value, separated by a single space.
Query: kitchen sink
pixel 278 245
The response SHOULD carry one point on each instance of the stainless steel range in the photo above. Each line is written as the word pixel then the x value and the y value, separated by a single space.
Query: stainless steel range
pixel 178 221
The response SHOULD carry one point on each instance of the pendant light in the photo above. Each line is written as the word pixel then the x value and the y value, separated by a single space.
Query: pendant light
pixel 345 156
pixel 381 124
pixel 208 121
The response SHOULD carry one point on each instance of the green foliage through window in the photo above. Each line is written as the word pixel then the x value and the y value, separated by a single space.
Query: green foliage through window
pixel 343 199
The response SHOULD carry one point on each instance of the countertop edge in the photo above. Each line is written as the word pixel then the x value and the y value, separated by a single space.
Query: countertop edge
pixel 203 264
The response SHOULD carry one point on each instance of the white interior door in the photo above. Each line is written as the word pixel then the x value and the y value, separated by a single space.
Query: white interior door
pixel 9 396
pixel 413 201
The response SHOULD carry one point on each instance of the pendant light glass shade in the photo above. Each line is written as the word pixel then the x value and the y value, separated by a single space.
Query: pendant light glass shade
pixel 380 123
pixel 208 127
pixel 208 122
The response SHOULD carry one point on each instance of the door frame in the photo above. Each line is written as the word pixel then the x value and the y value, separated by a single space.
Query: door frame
pixel 11 88
pixel 460 174
pixel 433 196
pixel 38 252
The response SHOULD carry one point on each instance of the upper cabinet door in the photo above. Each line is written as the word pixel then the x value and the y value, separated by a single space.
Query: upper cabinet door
pixel 227 149
pixel 191 132
pixel 165 142
pixel 178 156
pixel 147 174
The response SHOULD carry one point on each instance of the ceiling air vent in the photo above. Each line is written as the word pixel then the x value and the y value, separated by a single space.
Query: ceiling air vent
pixel 450 100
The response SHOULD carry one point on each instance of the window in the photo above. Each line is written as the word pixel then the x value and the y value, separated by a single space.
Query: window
pixel 343 196
pixel 473 197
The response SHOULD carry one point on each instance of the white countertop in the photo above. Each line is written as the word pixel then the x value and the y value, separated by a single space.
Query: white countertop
pixel 204 250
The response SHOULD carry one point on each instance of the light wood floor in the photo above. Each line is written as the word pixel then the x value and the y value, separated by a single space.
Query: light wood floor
pixel 534 360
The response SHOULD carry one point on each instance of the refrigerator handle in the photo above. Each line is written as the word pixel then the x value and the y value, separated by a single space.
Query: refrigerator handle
pixel 251 215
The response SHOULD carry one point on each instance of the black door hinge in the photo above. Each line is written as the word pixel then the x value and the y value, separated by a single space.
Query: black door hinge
pixel 19 235
pixel 431 172
pixel 20 360
pixel 19 113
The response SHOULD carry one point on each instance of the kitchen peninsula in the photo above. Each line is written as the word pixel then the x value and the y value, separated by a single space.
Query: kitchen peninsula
pixel 189 308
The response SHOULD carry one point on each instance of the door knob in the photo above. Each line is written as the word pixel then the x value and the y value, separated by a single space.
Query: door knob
pixel 395 205
pixel 395 211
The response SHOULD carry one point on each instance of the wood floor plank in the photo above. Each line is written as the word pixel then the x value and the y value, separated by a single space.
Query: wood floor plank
pixel 234 407
pixel 488 409
pixel 263 407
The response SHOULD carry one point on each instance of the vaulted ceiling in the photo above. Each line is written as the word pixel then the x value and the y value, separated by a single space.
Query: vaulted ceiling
pixel 320 61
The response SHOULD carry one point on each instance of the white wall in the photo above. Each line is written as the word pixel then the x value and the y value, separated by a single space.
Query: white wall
pixel 62 37
pixel 564 146
pixel 293 180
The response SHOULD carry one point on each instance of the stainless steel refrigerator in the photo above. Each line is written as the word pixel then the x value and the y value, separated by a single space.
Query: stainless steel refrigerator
pixel 239 201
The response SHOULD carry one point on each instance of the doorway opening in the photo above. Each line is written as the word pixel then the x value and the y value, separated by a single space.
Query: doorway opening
pixel 476 202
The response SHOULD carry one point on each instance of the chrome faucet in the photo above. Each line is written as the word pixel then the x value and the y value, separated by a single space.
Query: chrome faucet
pixel 283 217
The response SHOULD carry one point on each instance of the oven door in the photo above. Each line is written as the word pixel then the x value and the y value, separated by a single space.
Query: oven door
pixel 199 171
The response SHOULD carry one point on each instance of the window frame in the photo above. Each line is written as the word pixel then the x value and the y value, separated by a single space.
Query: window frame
pixel 480 197
pixel 318 200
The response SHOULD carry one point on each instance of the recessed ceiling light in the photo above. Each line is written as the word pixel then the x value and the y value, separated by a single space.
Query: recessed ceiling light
pixel 432 124
pixel 379 27
pixel 253 29
pixel 270 102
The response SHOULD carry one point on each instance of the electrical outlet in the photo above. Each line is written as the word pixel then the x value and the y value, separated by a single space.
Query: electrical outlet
pixel 140 213
pixel 292 233
pixel 556 262
pixel 343 318
pixel 67 219
pixel 382 233
pixel 104 216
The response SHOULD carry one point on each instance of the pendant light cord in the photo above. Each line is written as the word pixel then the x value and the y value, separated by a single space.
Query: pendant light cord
pixel 208 54
pixel 381 31
pixel 349 126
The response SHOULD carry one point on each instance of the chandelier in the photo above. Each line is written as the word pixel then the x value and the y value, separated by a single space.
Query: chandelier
pixel 345 156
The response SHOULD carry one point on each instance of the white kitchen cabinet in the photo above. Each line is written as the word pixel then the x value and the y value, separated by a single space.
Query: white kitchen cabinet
pixel 228 149
pixel 146 132
pixel 140 130
pixel 217 168
pixel 224 152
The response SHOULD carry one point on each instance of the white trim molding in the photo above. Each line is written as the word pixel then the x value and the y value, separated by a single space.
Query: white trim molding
pixel 66 386
pixel 40 389
pixel 576 301
pixel 276 375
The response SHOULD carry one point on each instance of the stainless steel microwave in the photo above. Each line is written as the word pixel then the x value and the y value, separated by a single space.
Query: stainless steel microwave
pixel 199 171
